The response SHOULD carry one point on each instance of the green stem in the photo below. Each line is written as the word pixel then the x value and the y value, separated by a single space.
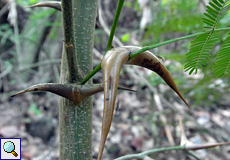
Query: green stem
pixel 91 74
pixel 193 155
pixel 109 44
pixel 144 154
pixel 98 68
pixel 174 40
pixel 114 25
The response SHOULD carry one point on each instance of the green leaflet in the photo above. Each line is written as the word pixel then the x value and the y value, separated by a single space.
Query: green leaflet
pixel 215 11
pixel 222 65
pixel 198 54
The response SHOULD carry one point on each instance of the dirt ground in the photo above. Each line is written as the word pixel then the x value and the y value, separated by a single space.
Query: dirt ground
pixel 137 125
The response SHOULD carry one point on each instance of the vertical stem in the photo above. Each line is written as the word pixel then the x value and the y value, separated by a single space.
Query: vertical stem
pixel 75 122
pixel 109 44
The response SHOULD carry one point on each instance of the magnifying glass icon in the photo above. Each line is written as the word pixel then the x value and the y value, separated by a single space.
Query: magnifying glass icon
pixel 9 147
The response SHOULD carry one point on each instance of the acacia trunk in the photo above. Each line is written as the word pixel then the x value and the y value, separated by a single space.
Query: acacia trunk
pixel 75 122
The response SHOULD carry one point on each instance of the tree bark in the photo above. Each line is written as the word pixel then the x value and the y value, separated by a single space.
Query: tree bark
pixel 75 122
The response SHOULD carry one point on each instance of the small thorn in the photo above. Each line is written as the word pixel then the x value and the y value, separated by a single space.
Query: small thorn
pixel 52 4
pixel 127 89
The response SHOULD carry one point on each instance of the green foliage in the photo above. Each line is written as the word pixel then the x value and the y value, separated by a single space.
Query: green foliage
pixel 5 33
pixel 136 6
pixel 125 37
pixel 215 11
pixel 183 24
pixel 172 17
pixel 40 14
pixel 128 4
pixel 175 56
pixel 33 2
pixel 198 54
pixel 26 3
pixel 222 65
pixel 34 109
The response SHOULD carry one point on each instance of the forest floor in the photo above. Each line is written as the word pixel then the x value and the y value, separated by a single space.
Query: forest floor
pixel 137 125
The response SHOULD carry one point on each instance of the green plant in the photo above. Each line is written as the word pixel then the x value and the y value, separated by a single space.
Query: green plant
pixel 198 54
pixel 76 115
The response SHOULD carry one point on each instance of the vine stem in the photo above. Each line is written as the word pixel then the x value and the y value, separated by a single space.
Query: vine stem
pixel 114 25
pixel 98 68
pixel 174 40
pixel 91 74
pixel 144 154
pixel 109 44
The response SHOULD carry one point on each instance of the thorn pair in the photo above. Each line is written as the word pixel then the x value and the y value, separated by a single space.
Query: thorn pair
pixel 111 65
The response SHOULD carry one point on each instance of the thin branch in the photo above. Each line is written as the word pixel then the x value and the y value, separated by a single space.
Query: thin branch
pixel 7 70
pixel 109 44
pixel 144 154
pixel 98 68
pixel 42 63
pixel 4 9
pixel 43 36
pixel 193 155
pixel 91 74
pixel 13 18
pixel 163 119
pixel 174 40
pixel 181 147
pixel 114 25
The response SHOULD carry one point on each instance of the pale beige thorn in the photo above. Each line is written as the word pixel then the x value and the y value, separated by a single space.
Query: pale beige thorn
pixel 147 158
pixel 184 140
pixel 51 4
pixel 194 146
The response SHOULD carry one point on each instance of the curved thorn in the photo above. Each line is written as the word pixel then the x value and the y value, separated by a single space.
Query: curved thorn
pixel 193 146
pixel 150 61
pixel 51 4
pixel 64 90
pixel 183 138
pixel 111 66
pixel 73 92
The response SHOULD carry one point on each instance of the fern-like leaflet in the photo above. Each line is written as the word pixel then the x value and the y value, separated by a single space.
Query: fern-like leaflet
pixel 198 54
pixel 214 12
pixel 222 65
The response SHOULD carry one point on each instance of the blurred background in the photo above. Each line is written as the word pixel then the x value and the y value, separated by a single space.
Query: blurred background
pixel 30 51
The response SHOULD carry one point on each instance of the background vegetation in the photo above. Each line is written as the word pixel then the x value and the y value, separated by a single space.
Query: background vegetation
pixel 30 51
